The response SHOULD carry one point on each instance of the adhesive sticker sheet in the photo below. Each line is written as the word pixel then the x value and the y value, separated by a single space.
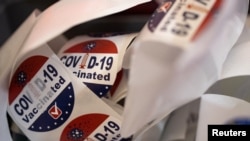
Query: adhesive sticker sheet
pixel 43 89
pixel 96 61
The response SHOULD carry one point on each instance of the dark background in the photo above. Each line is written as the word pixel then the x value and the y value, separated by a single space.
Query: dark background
pixel 14 12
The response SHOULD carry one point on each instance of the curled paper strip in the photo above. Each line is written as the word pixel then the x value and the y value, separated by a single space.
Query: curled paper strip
pixel 7 51
pixel 190 121
pixel 173 74
pixel 235 75
pixel 64 15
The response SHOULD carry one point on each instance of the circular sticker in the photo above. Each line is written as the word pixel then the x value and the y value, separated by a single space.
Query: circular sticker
pixel 24 73
pixel 159 14
pixel 41 97
pixel 182 21
pixel 92 127
pixel 94 62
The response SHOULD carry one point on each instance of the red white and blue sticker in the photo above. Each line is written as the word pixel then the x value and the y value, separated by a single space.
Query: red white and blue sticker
pixel 180 21
pixel 159 14
pixel 94 62
pixel 92 127
pixel 41 96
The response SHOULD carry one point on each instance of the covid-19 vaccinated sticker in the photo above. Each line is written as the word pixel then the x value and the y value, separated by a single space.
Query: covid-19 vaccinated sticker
pixel 94 62
pixel 180 21
pixel 92 127
pixel 41 95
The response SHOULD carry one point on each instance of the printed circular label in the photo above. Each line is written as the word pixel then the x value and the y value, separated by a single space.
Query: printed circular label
pixel 41 95
pixel 158 15
pixel 92 127
pixel 94 62
pixel 180 22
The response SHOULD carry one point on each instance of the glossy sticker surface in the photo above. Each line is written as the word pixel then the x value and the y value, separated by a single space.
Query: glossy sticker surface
pixel 180 21
pixel 94 62
pixel 92 127
pixel 41 96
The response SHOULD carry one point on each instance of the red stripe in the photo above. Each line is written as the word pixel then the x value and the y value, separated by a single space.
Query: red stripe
pixel 86 123
pixel 30 66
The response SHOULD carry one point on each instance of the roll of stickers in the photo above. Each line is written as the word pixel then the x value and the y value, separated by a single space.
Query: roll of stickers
pixel 190 122
pixel 48 103
pixel 96 61
pixel 178 54
pixel 36 102
pixel 176 24
pixel 35 32
pixel 65 14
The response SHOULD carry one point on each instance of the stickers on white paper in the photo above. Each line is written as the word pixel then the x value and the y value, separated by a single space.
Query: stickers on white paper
pixel 45 97
pixel 92 127
pixel 41 91
pixel 95 61
pixel 179 21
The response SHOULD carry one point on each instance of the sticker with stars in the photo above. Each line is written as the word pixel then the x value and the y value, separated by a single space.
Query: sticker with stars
pixel 180 22
pixel 94 62
pixel 58 112
pixel 92 127
pixel 41 94
pixel 158 15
